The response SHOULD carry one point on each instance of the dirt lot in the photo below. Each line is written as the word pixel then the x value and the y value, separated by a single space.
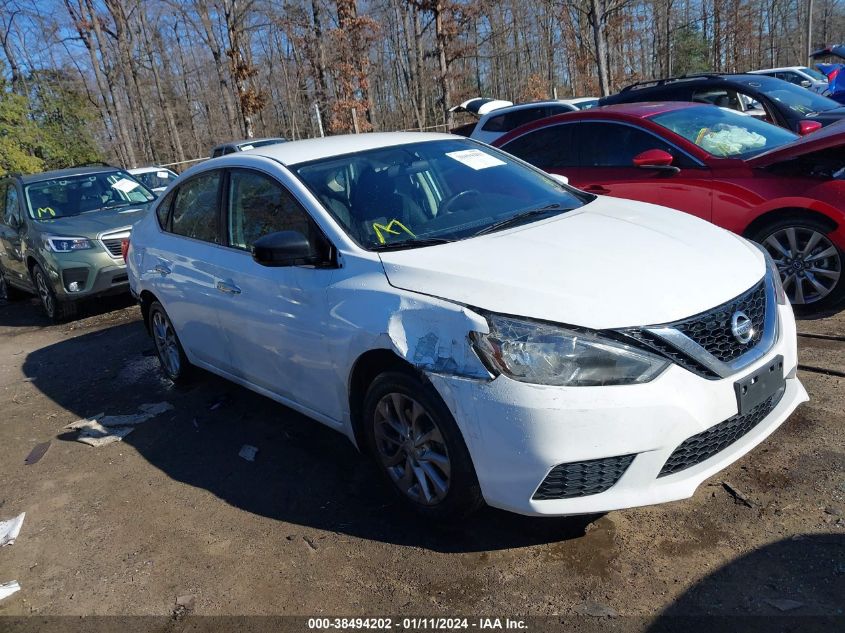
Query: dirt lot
pixel 306 529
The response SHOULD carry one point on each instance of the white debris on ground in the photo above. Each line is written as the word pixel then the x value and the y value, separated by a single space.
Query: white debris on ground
pixel 8 588
pixel 10 529
pixel 248 452
pixel 102 429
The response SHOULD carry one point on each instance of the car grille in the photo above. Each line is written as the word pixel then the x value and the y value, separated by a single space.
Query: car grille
pixel 712 329
pixel 113 246
pixel 706 444
pixel 676 356
pixel 579 479
pixel 113 242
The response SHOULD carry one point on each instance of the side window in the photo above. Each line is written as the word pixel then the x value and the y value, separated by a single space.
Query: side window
pixel 259 205
pixel 196 209
pixel 9 201
pixel 717 97
pixel 546 148
pixel 616 145
pixel 163 210
pixel 495 124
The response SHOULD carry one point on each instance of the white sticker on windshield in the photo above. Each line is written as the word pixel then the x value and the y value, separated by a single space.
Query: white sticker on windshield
pixel 246 147
pixel 163 174
pixel 475 158
pixel 125 185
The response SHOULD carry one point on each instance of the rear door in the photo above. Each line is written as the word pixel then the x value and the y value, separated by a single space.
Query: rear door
pixel 273 318
pixel 606 167
pixel 182 270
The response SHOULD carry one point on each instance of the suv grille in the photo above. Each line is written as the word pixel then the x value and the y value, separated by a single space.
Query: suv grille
pixel 706 444
pixel 113 246
pixel 579 479
pixel 712 329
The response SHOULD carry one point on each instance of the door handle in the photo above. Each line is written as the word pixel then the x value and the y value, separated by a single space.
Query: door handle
pixel 597 189
pixel 162 269
pixel 229 289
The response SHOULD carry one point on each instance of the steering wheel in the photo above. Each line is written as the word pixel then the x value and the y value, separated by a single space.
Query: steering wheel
pixel 446 205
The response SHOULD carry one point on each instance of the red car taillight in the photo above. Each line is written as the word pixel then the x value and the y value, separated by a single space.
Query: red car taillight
pixel 124 249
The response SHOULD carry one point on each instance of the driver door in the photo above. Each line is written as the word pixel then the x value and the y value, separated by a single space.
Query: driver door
pixel 606 167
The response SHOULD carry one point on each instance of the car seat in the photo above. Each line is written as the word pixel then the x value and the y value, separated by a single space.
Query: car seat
pixel 375 199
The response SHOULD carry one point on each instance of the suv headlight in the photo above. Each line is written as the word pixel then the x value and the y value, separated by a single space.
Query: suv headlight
pixel 68 244
pixel 544 354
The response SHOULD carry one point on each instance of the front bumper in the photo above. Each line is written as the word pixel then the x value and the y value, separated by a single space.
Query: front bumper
pixel 97 274
pixel 517 432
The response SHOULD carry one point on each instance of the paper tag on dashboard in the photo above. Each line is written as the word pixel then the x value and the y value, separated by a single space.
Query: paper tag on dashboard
pixel 163 175
pixel 475 158
pixel 125 185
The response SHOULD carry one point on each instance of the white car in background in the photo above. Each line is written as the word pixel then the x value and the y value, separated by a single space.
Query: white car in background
pixel 800 76
pixel 496 118
pixel 442 304
pixel 156 179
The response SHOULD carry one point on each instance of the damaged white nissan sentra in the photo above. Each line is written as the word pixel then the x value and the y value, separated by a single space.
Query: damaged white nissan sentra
pixel 482 330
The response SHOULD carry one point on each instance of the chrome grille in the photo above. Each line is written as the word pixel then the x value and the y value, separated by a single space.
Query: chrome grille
pixel 712 329
pixel 113 242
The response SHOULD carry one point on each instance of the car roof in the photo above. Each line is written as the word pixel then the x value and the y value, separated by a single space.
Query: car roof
pixel 295 152
pixel 72 171
pixel 642 109
pixel 247 141
pixel 147 170
pixel 658 85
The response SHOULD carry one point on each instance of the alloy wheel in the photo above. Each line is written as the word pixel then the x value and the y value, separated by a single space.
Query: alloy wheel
pixel 808 262
pixel 412 449
pixel 45 294
pixel 166 344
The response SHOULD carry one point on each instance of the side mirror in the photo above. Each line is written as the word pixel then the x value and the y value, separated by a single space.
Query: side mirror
pixel 560 178
pixel 808 127
pixel 285 248
pixel 655 159
pixel 806 83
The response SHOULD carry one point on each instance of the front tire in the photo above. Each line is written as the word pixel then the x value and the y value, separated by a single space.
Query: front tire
pixel 7 291
pixel 418 447
pixel 56 310
pixel 171 355
pixel 810 264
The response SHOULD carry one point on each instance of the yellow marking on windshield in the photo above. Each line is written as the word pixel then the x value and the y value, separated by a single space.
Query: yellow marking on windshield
pixel 389 229
pixel 42 211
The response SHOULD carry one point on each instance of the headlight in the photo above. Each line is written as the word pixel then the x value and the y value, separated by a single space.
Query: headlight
pixel 775 273
pixel 68 244
pixel 545 354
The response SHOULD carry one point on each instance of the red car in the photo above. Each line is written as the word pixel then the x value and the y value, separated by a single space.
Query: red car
pixel 755 179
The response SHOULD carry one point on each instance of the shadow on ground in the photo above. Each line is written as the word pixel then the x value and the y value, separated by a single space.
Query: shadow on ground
pixel 26 311
pixel 795 584
pixel 304 474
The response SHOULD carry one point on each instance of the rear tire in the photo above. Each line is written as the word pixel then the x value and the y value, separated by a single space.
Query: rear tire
pixel 810 264
pixel 56 310
pixel 418 448
pixel 171 355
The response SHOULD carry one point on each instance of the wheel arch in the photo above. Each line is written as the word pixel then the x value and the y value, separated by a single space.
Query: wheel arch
pixel 365 369
pixel 781 213
pixel 146 299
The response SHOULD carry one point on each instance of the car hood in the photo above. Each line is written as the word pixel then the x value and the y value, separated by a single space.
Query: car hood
pixel 93 223
pixel 830 136
pixel 613 263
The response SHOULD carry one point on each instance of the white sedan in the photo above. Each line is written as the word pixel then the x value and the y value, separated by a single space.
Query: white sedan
pixel 482 331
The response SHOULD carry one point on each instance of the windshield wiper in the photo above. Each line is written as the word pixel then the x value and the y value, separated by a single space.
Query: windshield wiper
pixel 425 241
pixel 519 218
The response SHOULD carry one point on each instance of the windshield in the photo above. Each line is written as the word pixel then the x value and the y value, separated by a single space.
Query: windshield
pixel 71 195
pixel 800 100
pixel 815 74
pixel 431 191
pixel 156 179
pixel 723 132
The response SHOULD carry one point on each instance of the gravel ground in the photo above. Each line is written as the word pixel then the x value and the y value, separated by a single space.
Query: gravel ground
pixel 306 529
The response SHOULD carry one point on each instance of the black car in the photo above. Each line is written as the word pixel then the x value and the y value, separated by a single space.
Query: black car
pixel 768 98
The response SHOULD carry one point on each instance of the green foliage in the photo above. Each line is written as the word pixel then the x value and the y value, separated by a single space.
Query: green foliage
pixel 690 51
pixel 46 128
